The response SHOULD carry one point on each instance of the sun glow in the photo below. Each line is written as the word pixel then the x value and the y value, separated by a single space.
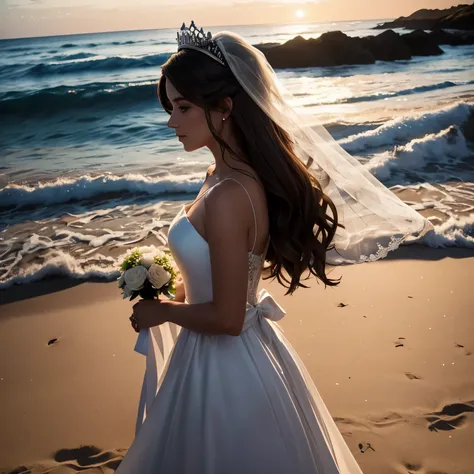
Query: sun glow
pixel 299 14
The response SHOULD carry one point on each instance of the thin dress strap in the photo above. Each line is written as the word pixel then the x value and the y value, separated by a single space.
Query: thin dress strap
pixel 199 197
pixel 251 203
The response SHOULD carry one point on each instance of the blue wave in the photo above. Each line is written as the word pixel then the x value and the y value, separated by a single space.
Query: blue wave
pixel 100 96
pixel 94 96
pixel 86 187
pixel 107 64
pixel 403 92
pixel 116 43
pixel 111 43
pixel 72 57
pixel 18 49
pixel 414 90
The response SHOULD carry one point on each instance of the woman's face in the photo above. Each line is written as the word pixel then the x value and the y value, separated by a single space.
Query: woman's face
pixel 189 121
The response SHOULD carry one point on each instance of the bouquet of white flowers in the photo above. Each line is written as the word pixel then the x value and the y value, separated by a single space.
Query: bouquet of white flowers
pixel 146 272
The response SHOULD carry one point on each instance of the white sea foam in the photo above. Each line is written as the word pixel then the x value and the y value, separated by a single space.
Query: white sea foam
pixel 59 263
pixel 403 129
pixel 446 147
pixel 86 187
pixel 455 232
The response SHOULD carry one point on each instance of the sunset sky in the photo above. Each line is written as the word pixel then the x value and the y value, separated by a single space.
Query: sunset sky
pixel 27 18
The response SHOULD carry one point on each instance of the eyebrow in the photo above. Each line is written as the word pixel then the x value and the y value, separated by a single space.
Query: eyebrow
pixel 177 99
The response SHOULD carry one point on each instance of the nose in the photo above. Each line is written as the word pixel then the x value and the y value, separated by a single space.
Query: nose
pixel 172 122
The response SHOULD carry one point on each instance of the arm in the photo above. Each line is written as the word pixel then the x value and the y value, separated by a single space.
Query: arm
pixel 227 226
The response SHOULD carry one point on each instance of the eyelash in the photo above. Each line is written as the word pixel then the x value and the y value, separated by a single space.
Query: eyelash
pixel 183 107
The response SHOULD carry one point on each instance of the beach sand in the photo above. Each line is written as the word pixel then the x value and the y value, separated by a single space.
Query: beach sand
pixel 395 366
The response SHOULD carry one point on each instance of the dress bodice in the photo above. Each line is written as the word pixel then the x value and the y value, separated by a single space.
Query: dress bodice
pixel 191 254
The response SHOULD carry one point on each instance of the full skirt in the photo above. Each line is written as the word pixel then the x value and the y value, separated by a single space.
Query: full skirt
pixel 233 405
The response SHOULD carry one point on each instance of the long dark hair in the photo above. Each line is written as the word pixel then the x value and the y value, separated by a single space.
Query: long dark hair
pixel 301 230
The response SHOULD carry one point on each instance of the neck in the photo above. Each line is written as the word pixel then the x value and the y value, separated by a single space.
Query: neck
pixel 222 167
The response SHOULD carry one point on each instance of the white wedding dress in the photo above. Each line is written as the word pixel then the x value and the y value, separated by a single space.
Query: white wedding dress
pixel 225 404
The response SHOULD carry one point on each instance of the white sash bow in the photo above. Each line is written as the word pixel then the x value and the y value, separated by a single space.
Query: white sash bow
pixel 266 307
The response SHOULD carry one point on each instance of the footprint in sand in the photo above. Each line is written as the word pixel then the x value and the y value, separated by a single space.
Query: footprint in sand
pixel 417 469
pixel 450 417
pixel 412 468
pixel 460 346
pixel 400 342
pixel 412 376
pixel 387 420
pixel 87 456
pixel 20 470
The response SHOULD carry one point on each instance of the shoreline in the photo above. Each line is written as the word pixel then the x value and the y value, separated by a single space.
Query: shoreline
pixel 19 292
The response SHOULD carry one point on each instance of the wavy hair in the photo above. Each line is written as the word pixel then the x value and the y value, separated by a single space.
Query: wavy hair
pixel 301 229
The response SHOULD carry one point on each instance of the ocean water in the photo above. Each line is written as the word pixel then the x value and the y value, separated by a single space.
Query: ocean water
pixel 89 168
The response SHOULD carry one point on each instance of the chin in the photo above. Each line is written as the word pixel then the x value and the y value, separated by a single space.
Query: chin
pixel 188 147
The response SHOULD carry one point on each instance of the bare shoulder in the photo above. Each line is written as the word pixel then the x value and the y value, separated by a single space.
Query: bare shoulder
pixel 240 204
pixel 225 200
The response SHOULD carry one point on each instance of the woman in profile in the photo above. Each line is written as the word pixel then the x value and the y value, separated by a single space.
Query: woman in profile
pixel 226 393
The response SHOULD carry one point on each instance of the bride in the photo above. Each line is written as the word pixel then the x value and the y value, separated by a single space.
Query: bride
pixel 224 392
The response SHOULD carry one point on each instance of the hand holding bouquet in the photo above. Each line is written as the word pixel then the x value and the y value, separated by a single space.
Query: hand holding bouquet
pixel 146 272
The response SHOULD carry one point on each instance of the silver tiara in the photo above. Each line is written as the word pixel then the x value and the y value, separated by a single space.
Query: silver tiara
pixel 194 38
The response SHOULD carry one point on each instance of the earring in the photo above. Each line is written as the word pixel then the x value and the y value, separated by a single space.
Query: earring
pixel 223 119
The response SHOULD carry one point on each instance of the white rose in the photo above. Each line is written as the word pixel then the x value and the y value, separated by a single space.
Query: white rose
pixel 135 277
pixel 158 276
pixel 150 249
pixel 158 253
pixel 147 260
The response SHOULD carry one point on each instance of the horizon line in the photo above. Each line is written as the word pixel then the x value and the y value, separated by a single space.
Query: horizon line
pixel 204 26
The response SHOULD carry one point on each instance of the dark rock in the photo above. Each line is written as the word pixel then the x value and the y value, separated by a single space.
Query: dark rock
pixel 263 46
pixel 462 19
pixel 330 49
pixel 461 38
pixel 342 49
pixel 422 44
pixel 408 24
pixel 459 17
pixel 337 49
pixel 388 46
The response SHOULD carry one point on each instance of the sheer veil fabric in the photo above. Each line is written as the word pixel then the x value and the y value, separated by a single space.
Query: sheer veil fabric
pixel 375 220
